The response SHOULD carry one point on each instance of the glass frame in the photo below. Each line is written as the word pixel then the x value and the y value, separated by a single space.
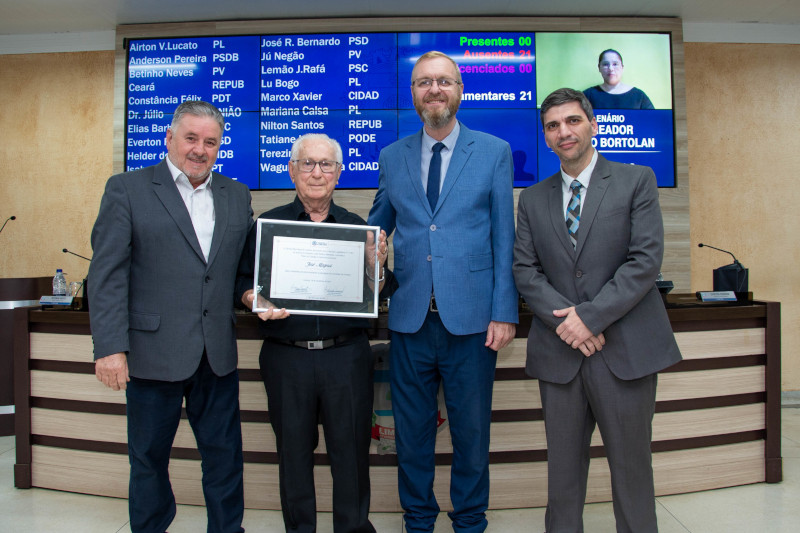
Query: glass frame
pixel 309 268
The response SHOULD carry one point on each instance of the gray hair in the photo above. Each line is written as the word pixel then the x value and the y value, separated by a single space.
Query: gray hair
pixel 337 149
pixel 197 108
pixel 564 96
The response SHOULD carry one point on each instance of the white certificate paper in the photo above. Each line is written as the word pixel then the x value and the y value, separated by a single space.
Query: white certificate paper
pixel 317 269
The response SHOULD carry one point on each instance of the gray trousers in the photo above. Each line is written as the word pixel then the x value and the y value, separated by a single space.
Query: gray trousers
pixel 623 410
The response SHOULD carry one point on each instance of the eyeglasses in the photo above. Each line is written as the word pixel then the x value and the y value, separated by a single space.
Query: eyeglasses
pixel 307 165
pixel 427 83
pixel 608 66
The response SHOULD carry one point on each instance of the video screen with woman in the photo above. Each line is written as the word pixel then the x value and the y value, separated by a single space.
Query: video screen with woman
pixel 613 93
pixel 633 110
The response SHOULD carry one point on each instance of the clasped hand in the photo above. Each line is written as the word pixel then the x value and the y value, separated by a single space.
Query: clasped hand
pixel 575 333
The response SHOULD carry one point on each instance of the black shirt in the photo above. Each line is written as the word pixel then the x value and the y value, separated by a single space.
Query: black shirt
pixel 303 327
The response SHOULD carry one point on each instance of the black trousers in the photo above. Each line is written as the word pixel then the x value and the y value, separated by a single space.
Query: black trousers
pixel 154 411
pixel 333 386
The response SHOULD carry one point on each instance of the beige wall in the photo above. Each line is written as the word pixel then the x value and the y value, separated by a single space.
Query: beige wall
pixel 56 130
pixel 56 122
pixel 743 169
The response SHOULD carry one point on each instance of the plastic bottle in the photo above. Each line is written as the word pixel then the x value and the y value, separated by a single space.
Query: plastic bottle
pixel 59 284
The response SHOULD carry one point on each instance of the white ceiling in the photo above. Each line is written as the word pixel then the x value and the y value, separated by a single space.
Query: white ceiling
pixel 60 16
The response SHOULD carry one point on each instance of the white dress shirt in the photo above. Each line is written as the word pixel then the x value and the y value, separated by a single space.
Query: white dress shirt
pixel 446 153
pixel 583 178
pixel 200 204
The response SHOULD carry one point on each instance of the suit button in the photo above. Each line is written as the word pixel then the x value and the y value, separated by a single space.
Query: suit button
pixel 578 273
pixel 205 312
pixel 433 227
pixel 429 258
pixel 208 278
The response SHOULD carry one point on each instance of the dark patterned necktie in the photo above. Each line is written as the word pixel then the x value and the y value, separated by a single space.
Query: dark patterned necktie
pixel 574 212
pixel 434 171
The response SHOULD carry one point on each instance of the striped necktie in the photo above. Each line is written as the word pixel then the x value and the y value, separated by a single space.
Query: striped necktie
pixel 574 212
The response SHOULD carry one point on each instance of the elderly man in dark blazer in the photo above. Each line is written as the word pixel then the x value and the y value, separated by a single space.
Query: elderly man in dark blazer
pixel 167 243
pixel 589 246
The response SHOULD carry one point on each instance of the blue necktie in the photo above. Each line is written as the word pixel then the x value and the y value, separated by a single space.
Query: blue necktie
pixel 574 212
pixel 434 173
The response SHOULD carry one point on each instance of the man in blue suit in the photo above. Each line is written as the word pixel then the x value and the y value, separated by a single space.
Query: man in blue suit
pixel 446 193
pixel 167 243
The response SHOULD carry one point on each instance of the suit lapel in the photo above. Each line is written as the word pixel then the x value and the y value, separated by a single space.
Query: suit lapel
pixel 413 158
pixel 167 192
pixel 555 201
pixel 594 196
pixel 461 152
pixel 220 193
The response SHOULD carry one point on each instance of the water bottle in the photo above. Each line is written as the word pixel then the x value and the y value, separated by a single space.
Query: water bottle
pixel 59 284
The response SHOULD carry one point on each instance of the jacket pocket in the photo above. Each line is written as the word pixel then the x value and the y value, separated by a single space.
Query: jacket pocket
pixel 625 210
pixel 144 321
pixel 480 261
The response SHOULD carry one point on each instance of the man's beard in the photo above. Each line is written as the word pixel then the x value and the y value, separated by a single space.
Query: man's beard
pixel 436 120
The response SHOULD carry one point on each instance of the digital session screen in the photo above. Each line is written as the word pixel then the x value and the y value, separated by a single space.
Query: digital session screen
pixel 356 88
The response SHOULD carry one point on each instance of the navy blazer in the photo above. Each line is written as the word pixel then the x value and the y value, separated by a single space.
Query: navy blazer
pixel 153 295
pixel 464 248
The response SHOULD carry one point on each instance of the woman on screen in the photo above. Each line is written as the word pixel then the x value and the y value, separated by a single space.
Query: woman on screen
pixel 612 93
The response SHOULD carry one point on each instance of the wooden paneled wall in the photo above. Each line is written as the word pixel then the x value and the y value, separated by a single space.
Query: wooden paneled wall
pixel 714 423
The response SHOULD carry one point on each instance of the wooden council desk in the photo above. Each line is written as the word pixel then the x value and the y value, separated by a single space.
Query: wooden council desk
pixel 717 421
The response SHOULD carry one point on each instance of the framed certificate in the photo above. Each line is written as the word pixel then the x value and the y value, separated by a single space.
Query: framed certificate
pixel 314 268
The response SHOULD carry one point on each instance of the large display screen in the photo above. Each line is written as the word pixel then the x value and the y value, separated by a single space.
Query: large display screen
pixel 356 88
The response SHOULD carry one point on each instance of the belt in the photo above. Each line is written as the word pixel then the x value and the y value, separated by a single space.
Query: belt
pixel 320 344
pixel 432 307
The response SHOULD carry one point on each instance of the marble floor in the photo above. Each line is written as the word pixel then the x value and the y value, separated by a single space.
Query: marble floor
pixel 759 508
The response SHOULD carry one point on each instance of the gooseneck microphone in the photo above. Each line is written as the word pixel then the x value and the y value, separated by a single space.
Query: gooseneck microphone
pixel 733 277
pixel 735 261
pixel 77 255
pixel 84 284
pixel 12 217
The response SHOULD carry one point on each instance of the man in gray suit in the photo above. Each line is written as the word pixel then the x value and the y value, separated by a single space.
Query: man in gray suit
pixel 167 243
pixel 589 245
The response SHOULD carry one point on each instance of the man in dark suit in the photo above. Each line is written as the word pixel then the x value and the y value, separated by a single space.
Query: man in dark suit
pixel 446 192
pixel 167 243
pixel 589 245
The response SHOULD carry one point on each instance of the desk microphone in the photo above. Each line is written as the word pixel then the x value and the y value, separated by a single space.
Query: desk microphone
pixel 77 255
pixel 733 277
pixel 84 284
pixel 735 261
pixel 12 217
